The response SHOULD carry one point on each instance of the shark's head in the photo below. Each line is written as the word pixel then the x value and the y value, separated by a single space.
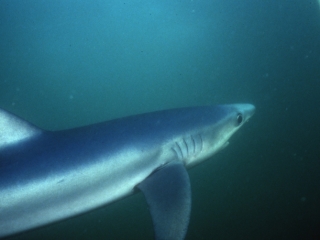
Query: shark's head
pixel 221 123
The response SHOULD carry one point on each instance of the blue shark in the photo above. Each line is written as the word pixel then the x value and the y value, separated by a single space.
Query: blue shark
pixel 48 176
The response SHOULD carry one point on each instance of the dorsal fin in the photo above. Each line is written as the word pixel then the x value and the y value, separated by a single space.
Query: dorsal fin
pixel 14 129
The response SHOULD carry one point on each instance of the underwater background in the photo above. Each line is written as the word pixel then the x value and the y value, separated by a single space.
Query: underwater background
pixel 68 63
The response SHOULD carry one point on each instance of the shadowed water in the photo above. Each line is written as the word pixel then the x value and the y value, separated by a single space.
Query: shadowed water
pixel 67 63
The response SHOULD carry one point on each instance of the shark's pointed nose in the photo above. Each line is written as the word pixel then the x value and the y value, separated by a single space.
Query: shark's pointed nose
pixel 247 109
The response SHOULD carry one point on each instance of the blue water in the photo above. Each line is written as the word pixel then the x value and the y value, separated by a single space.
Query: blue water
pixel 67 63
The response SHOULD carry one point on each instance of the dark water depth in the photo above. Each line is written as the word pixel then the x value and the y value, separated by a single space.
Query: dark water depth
pixel 66 63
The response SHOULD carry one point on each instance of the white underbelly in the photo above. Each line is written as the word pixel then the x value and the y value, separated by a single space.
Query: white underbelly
pixel 63 195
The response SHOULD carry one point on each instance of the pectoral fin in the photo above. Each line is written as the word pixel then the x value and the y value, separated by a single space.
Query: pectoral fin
pixel 168 194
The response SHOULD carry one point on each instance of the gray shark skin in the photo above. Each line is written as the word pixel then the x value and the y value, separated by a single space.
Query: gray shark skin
pixel 49 176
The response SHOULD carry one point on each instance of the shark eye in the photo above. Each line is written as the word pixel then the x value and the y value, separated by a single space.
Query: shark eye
pixel 239 118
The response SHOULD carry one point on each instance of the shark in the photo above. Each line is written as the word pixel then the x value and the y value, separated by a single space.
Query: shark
pixel 48 176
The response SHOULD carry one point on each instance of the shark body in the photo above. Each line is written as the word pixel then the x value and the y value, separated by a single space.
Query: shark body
pixel 48 176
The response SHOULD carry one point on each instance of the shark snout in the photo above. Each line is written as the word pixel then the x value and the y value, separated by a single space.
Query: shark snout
pixel 246 109
pixel 249 110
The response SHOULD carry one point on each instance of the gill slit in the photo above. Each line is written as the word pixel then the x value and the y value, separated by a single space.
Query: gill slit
pixel 194 144
pixel 178 151
pixel 201 144
pixel 185 143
